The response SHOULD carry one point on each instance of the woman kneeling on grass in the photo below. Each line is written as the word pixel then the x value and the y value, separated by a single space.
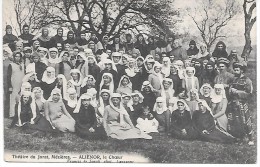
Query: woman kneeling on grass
pixel 181 125
pixel 86 122
pixel 204 123
pixel 117 122
pixel 57 114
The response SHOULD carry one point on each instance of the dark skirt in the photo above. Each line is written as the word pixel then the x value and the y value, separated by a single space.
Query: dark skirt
pixel 217 135
pixel 239 119
pixel 83 132
pixel 191 133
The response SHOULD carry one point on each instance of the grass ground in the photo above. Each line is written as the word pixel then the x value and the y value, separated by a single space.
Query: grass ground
pixel 160 149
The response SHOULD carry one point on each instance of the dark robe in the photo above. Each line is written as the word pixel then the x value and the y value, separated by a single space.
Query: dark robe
pixel 34 84
pixel 149 99
pixel 10 39
pixel 193 51
pixel 82 42
pixel 181 121
pixel 205 121
pixel 120 70
pixel 27 39
pixel 93 70
pixel 114 74
pixel 47 88
pixel 56 39
pixel 85 120
pixel 40 67
pixel 142 47
pixel 44 42
pixel 208 77
pixel 177 83
pixel 69 109
pixel 136 113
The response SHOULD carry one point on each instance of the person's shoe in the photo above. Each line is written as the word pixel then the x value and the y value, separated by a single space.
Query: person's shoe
pixel 251 143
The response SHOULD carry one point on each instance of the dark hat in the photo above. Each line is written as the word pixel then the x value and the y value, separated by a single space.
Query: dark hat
pixel 239 65
pixel 8 27
pixel 192 42
pixel 223 60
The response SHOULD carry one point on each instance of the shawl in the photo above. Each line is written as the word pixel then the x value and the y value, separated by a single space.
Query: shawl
pixel 84 96
pixel 64 85
pixel 217 98
pixel 161 109
pixel 101 107
pixel 79 79
pixel 50 79
pixel 111 84
pixel 129 85
pixel 72 102
pixel 202 92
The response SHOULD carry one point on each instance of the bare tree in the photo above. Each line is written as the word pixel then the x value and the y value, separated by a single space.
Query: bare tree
pixel 250 20
pixel 111 17
pixel 211 17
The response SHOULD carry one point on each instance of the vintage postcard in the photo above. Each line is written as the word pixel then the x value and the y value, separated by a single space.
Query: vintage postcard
pixel 130 81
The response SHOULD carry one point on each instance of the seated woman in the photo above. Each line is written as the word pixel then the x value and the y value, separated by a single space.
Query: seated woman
pixel 70 101
pixel 39 100
pixel 62 85
pixel 181 125
pixel 76 80
pixel 148 93
pixel 192 100
pixel 219 106
pixel 137 105
pixel 27 115
pixel 125 85
pixel 167 90
pixel 86 121
pixel 204 124
pixel 57 114
pixel 206 93
pixel 87 83
pixel 117 123
pixel 102 103
pixel 48 82
pixel 146 121
pixel 162 114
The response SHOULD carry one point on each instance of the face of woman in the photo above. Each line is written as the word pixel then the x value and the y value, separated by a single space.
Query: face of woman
pixel 36 59
pixel 157 69
pixel 32 77
pixel 201 107
pixel 106 79
pixel 126 99
pixel 74 75
pixel 173 69
pixel 193 96
pixel 131 64
pixel 157 57
pixel 140 38
pixel 108 66
pixel 165 63
pixel 160 104
pixel 65 57
pixel 79 58
pixel 166 85
pixel 180 106
pixel 105 96
pixel 139 62
pixel 189 73
pixel 116 101
pixel 116 59
pixel 218 91
pixel 147 88
pixel 53 55
pixel 26 99
pixel 85 102
pixel 125 81
pixel 17 58
pixel 149 66
pixel 203 49
pixel 135 98
pixel 72 96
pixel 56 97
pixel 49 74
pixel 60 81
pixel 37 94
pixel 206 90
pixel 90 81
pixel 90 60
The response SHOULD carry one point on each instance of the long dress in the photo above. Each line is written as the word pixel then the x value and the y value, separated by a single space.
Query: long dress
pixel 179 121
pixel 222 121
pixel 147 123
pixel 86 119
pixel 16 76
pixel 47 88
pixel 205 121
pixel 115 130
pixel 164 120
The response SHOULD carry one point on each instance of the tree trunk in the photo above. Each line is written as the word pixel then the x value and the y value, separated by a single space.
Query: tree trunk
pixel 247 48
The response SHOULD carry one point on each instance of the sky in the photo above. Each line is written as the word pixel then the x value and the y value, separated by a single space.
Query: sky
pixel 236 25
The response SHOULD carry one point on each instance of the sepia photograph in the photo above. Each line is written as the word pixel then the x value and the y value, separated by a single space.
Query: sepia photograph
pixel 129 81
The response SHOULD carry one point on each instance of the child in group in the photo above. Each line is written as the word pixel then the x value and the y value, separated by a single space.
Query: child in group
pixel 146 122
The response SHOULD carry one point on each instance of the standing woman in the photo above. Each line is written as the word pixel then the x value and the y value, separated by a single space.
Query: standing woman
pixel 219 106
pixel 206 93
pixel 86 121
pixel 48 82
pixel 117 122
pixel 162 114
pixel 15 74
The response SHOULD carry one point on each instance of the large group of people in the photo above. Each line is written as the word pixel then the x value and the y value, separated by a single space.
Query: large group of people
pixel 97 88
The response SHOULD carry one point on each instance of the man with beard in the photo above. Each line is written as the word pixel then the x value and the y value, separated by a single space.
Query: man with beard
pixel 82 41
pixel 9 38
pixel 178 51
pixel 57 38
pixel 220 51
pixel 224 77
pixel 238 112
pixel 26 36
pixel 209 73
pixel 193 49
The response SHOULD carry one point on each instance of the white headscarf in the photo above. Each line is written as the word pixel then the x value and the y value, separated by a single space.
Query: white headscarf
pixel 164 106
pixel 79 80
pixel 50 79
pixel 83 96
pixel 57 59
pixel 186 107
pixel 129 85
pixel 64 85
pixel 159 74
pixel 71 103
pixel 147 83
pixel 93 92
pixel 24 86
pixel 180 66
pixel 85 80
pixel 141 97
pixel 108 61
pixel 44 58
pixel 101 107
pixel 117 54
pixel 171 91
pixel 131 72
pixel 205 104
pixel 111 84
pixel 36 89
pixel 217 98
pixel 148 59
pixel 192 77
pixel 202 92
pixel 32 105
pixel 166 69
pixel 193 91
pixel 55 91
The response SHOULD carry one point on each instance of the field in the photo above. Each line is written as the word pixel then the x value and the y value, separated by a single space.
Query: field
pixel 160 149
